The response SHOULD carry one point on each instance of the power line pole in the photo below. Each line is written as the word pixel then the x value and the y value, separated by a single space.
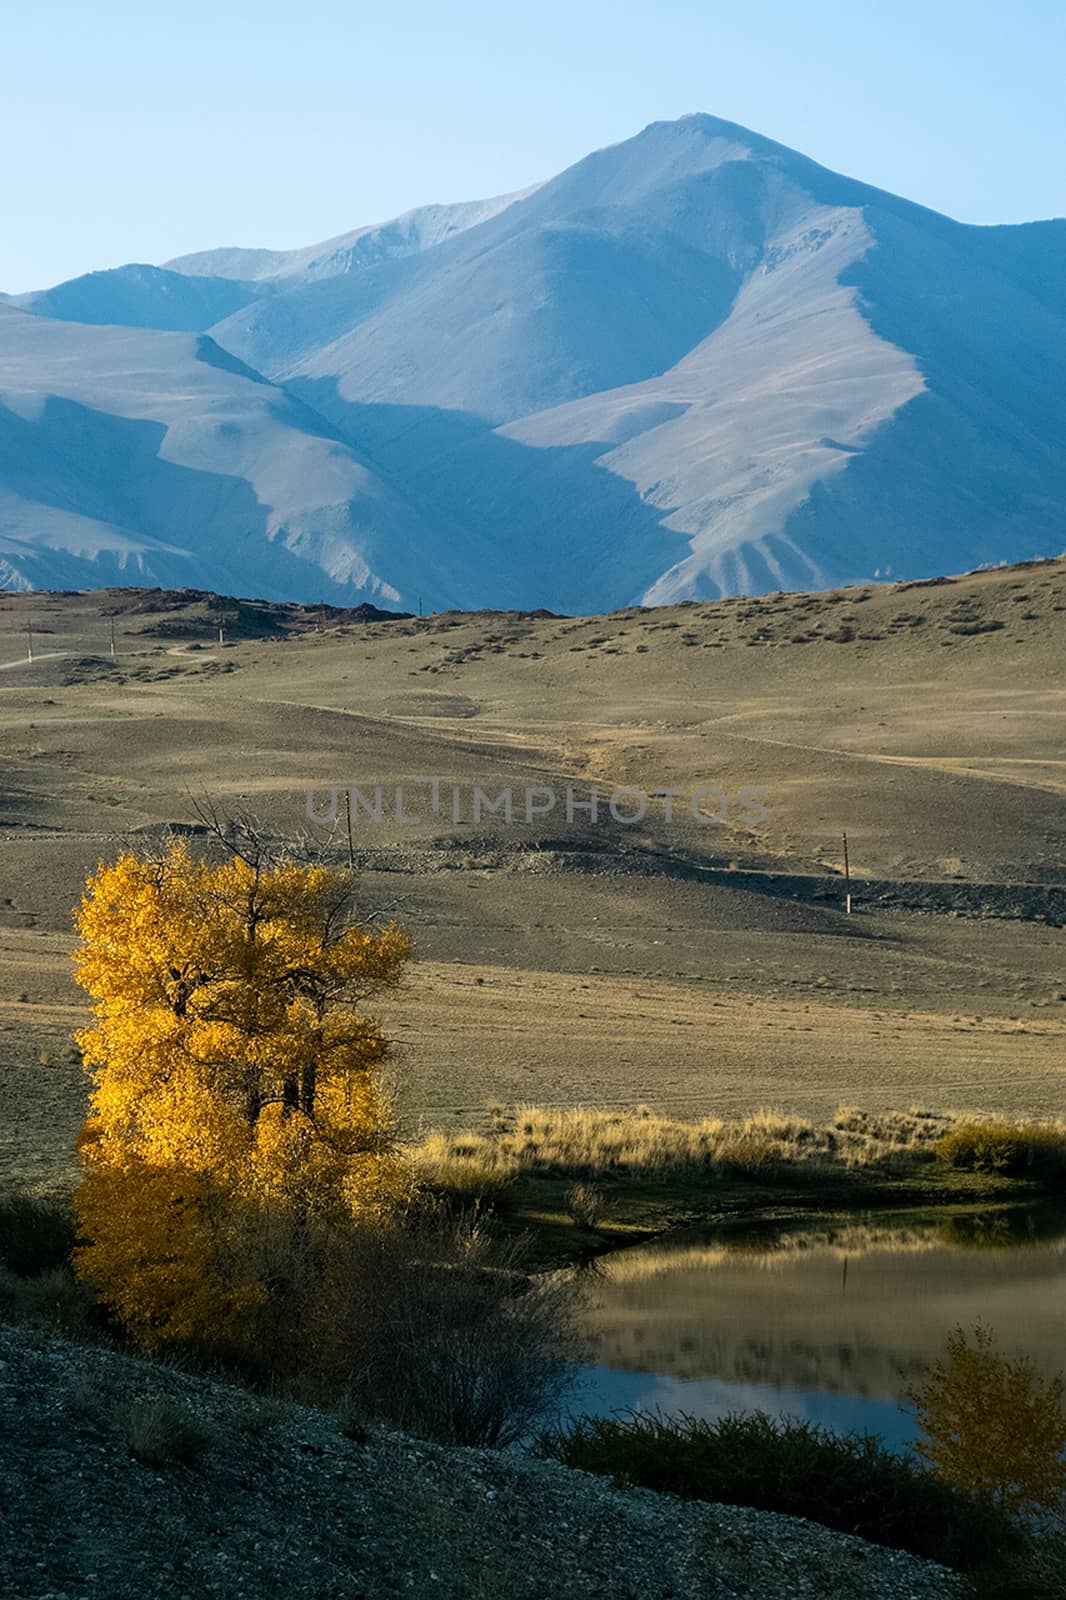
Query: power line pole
pixel 112 638
pixel 348 819
pixel 847 878
pixel 29 638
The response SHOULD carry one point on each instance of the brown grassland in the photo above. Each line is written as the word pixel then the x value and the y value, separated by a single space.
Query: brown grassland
pixel 705 970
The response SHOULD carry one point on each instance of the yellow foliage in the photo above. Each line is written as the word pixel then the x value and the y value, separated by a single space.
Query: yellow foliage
pixel 157 1251
pixel 237 1082
pixel 991 1426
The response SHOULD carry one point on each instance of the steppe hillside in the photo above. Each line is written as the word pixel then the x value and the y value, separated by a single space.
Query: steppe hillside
pixel 695 965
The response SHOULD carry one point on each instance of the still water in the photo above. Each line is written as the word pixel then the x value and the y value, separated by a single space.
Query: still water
pixel 829 1322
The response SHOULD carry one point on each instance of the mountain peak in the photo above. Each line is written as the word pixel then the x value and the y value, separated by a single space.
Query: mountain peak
pixel 694 363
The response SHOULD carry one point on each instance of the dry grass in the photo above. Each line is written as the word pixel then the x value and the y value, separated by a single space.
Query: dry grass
pixel 1012 1149
pixel 53 1299
pixel 585 1204
pixel 161 1433
pixel 586 1144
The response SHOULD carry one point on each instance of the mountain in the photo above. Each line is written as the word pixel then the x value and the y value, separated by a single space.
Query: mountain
pixel 139 296
pixel 403 236
pixel 128 456
pixel 694 364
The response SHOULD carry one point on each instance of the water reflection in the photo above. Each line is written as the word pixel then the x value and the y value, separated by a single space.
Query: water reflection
pixel 829 1322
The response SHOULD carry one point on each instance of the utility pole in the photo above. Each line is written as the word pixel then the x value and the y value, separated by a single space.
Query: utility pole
pixel 348 819
pixel 112 638
pixel 29 638
pixel 847 878
pixel 221 634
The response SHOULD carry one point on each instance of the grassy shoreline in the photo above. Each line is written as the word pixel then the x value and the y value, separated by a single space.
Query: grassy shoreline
pixel 577 1184
pixel 636 1213
pixel 580 1184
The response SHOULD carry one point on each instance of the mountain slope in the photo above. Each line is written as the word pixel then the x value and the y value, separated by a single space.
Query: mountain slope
pixel 139 296
pixel 807 379
pixel 133 456
pixel 406 235
pixel 694 364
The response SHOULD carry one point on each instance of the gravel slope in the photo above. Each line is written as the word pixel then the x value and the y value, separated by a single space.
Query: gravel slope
pixel 282 1503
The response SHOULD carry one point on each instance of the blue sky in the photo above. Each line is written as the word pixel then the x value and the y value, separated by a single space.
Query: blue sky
pixel 138 131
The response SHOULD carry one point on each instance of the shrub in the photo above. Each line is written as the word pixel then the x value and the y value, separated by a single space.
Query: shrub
pixel 431 1326
pixel 36 1233
pixel 753 1153
pixel 1037 1571
pixel 1014 1150
pixel 583 1204
pixel 991 1426
pixel 352 1422
pixel 55 1300
pixel 850 1482
pixel 161 1433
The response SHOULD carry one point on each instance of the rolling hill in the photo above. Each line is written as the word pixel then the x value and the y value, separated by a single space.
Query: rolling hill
pixel 703 967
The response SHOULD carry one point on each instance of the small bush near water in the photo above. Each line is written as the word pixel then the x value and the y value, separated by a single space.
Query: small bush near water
pixel 1036 1571
pixel 584 1205
pixel 849 1482
pixel 990 1425
pixel 1011 1149
pixel 433 1327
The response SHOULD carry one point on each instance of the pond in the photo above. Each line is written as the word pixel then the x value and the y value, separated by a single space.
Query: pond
pixel 830 1321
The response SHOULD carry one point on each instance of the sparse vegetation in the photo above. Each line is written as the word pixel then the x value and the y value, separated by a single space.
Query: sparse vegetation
pixel 850 1482
pixel 584 1205
pixel 434 1326
pixel 1012 1149
pixel 856 1157
pixel 36 1233
pixel 162 1433
pixel 589 1143
pixel 54 1299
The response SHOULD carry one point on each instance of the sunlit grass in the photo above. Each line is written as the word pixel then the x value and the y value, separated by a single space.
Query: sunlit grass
pixel 587 1144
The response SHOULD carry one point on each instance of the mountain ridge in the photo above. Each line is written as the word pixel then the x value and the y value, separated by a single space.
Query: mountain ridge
pixel 694 363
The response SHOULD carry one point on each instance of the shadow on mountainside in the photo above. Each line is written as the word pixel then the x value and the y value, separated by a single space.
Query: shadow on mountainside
pixel 540 526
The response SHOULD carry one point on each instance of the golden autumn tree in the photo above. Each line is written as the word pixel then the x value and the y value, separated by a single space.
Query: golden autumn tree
pixel 238 1112
pixel 990 1425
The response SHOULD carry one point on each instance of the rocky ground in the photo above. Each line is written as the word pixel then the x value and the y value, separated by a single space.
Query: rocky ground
pixel 128 1480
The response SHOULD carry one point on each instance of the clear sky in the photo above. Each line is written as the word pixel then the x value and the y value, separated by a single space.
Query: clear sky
pixel 135 130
